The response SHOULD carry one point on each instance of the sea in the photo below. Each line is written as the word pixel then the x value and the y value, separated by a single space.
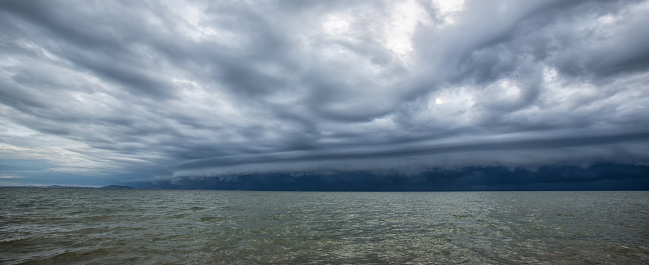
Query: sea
pixel 96 226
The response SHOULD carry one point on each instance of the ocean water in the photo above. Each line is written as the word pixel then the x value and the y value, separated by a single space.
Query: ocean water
pixel 93 226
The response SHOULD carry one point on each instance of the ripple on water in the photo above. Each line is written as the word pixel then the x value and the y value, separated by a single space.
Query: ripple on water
pixel 166 227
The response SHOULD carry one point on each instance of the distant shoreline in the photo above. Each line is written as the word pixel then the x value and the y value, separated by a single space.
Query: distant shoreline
pixel 109 187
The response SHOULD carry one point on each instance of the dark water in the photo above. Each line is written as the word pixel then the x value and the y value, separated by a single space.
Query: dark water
pixel 87 226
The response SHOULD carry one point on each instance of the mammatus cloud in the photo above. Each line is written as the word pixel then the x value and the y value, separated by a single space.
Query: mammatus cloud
pixel 118 91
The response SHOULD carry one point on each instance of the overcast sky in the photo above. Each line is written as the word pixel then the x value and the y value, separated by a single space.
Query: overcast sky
pixel 105 92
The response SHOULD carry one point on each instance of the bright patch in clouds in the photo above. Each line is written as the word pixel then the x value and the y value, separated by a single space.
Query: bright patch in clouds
pixel 336 24
pixel 401 25
pixel 447 10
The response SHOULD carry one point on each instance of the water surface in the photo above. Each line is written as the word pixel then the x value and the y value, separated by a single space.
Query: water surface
pixel 93 226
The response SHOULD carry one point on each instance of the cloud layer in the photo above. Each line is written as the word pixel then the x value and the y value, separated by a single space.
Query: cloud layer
pixel 120 91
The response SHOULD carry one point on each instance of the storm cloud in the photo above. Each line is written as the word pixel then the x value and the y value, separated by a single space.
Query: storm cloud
pixel 123 91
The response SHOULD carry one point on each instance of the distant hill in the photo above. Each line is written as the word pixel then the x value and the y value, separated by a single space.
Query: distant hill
pixel 117 187
pixel 66 187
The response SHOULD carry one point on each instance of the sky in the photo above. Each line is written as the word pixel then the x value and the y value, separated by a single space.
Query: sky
pixel 361 95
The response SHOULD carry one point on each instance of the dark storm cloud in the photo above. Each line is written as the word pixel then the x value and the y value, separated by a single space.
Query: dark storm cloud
pixel 598 176
pixel 161 89
pixel 421 155
pixel 92 41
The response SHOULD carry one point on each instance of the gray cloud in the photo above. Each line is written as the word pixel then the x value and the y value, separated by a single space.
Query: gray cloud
pixel 160 89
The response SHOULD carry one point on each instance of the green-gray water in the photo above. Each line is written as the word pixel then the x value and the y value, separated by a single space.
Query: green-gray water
pixel 92 226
